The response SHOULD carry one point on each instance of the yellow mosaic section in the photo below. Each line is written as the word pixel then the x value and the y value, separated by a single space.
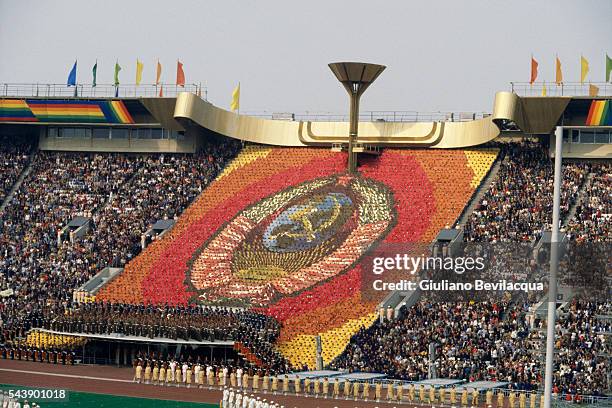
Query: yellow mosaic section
pixel 480 162
pixel 334 341
pixel 247 155
pixel 301 350
pixel 46 340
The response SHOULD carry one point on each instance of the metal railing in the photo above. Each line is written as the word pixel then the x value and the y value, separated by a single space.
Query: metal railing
pixel 99 91
pixel 563 89
pixel 373 116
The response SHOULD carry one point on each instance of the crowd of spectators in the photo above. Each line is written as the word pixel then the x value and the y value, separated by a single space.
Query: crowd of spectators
pixel 583 347
pixel 497 340
pixel 518 205
pixel 14 155
pixel 121 194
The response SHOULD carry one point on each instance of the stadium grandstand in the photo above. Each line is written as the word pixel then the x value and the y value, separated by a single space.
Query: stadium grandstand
pixel 211 250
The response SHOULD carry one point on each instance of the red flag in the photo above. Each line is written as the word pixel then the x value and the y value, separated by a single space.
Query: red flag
pixel 534 70
pixel 161 91
pixel 180 75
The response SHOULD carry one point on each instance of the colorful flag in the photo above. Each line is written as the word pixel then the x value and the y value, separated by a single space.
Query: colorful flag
pixel 600 113
pixel 235 105
pixel 593 90
pixel 534 70
pixel 584 69
pixel 117 69
pixel 94 72
pixel 558 73
pixel 158 73
pixel 161 91
pixel 608 67
pixel 72 75
pixel 180 75
pixel 544 89
pixel 139 67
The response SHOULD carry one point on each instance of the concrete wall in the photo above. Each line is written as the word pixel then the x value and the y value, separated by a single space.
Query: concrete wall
pixel 187 145
pixel 582 150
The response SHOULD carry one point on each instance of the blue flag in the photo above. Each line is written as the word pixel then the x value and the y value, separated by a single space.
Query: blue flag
pixel 72 76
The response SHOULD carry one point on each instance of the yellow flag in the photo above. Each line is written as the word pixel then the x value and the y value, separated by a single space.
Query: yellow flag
pixel 558 73
pixel 544 89
pixel 158 73
pixel 139 66
pixel 235 105
pixel 584 69
pixel 593 90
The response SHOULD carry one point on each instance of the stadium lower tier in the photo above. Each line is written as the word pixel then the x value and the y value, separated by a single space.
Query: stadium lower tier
pixel 285 232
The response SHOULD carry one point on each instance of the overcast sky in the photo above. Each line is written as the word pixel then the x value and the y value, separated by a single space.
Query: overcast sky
pixel 440 55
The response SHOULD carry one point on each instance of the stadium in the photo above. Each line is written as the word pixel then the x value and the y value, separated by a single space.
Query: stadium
pixel 159 249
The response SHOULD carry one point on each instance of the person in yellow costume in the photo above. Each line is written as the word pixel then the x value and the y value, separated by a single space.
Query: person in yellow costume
pixel 256 381
pixel 245 380
pixel 201 374
pixel 233 379
pixel 422 393
pixel 500 398
pixel 399 395
pixel 347 389
pixel 177 375
pixel 453 395
pixel 189 376
pixel 147 373
pixel 464 397
pixel 169 375
pixel 390 391
pixel 138 375
pixel 355 390
pixel 286 385
pixel 296 384
pixel 317 387
pixel 511 399
pixel 475 397
pixel 275 384
pixel 442 395
pixel 162 374
pixel 265 384
pixel 155 373
pixel 542 401
pixel 336 391
pixel 489 397
pixel 522 400
pixel 533 400
pixel 365 391
pixel 432 394
pixel 411 392
pixel 378 391
pixel 326 387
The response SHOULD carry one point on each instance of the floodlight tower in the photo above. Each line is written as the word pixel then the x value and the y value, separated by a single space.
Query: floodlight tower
pixel 356 78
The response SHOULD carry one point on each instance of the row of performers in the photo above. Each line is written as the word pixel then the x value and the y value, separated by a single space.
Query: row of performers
pixel 127 328
pixel 52 356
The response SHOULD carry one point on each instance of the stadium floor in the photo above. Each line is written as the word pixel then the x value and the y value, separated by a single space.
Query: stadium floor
pixel 115 383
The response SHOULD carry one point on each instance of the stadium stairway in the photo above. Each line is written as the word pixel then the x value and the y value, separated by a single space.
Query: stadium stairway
pixel 22 176
pixel 580 197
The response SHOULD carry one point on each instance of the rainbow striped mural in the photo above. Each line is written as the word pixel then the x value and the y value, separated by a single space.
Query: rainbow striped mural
pixel 64 111
pixel 15 110
pixel 599 113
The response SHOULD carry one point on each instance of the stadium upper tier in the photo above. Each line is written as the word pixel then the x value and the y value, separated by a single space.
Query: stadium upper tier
pixel 197 118
pixel 285 230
